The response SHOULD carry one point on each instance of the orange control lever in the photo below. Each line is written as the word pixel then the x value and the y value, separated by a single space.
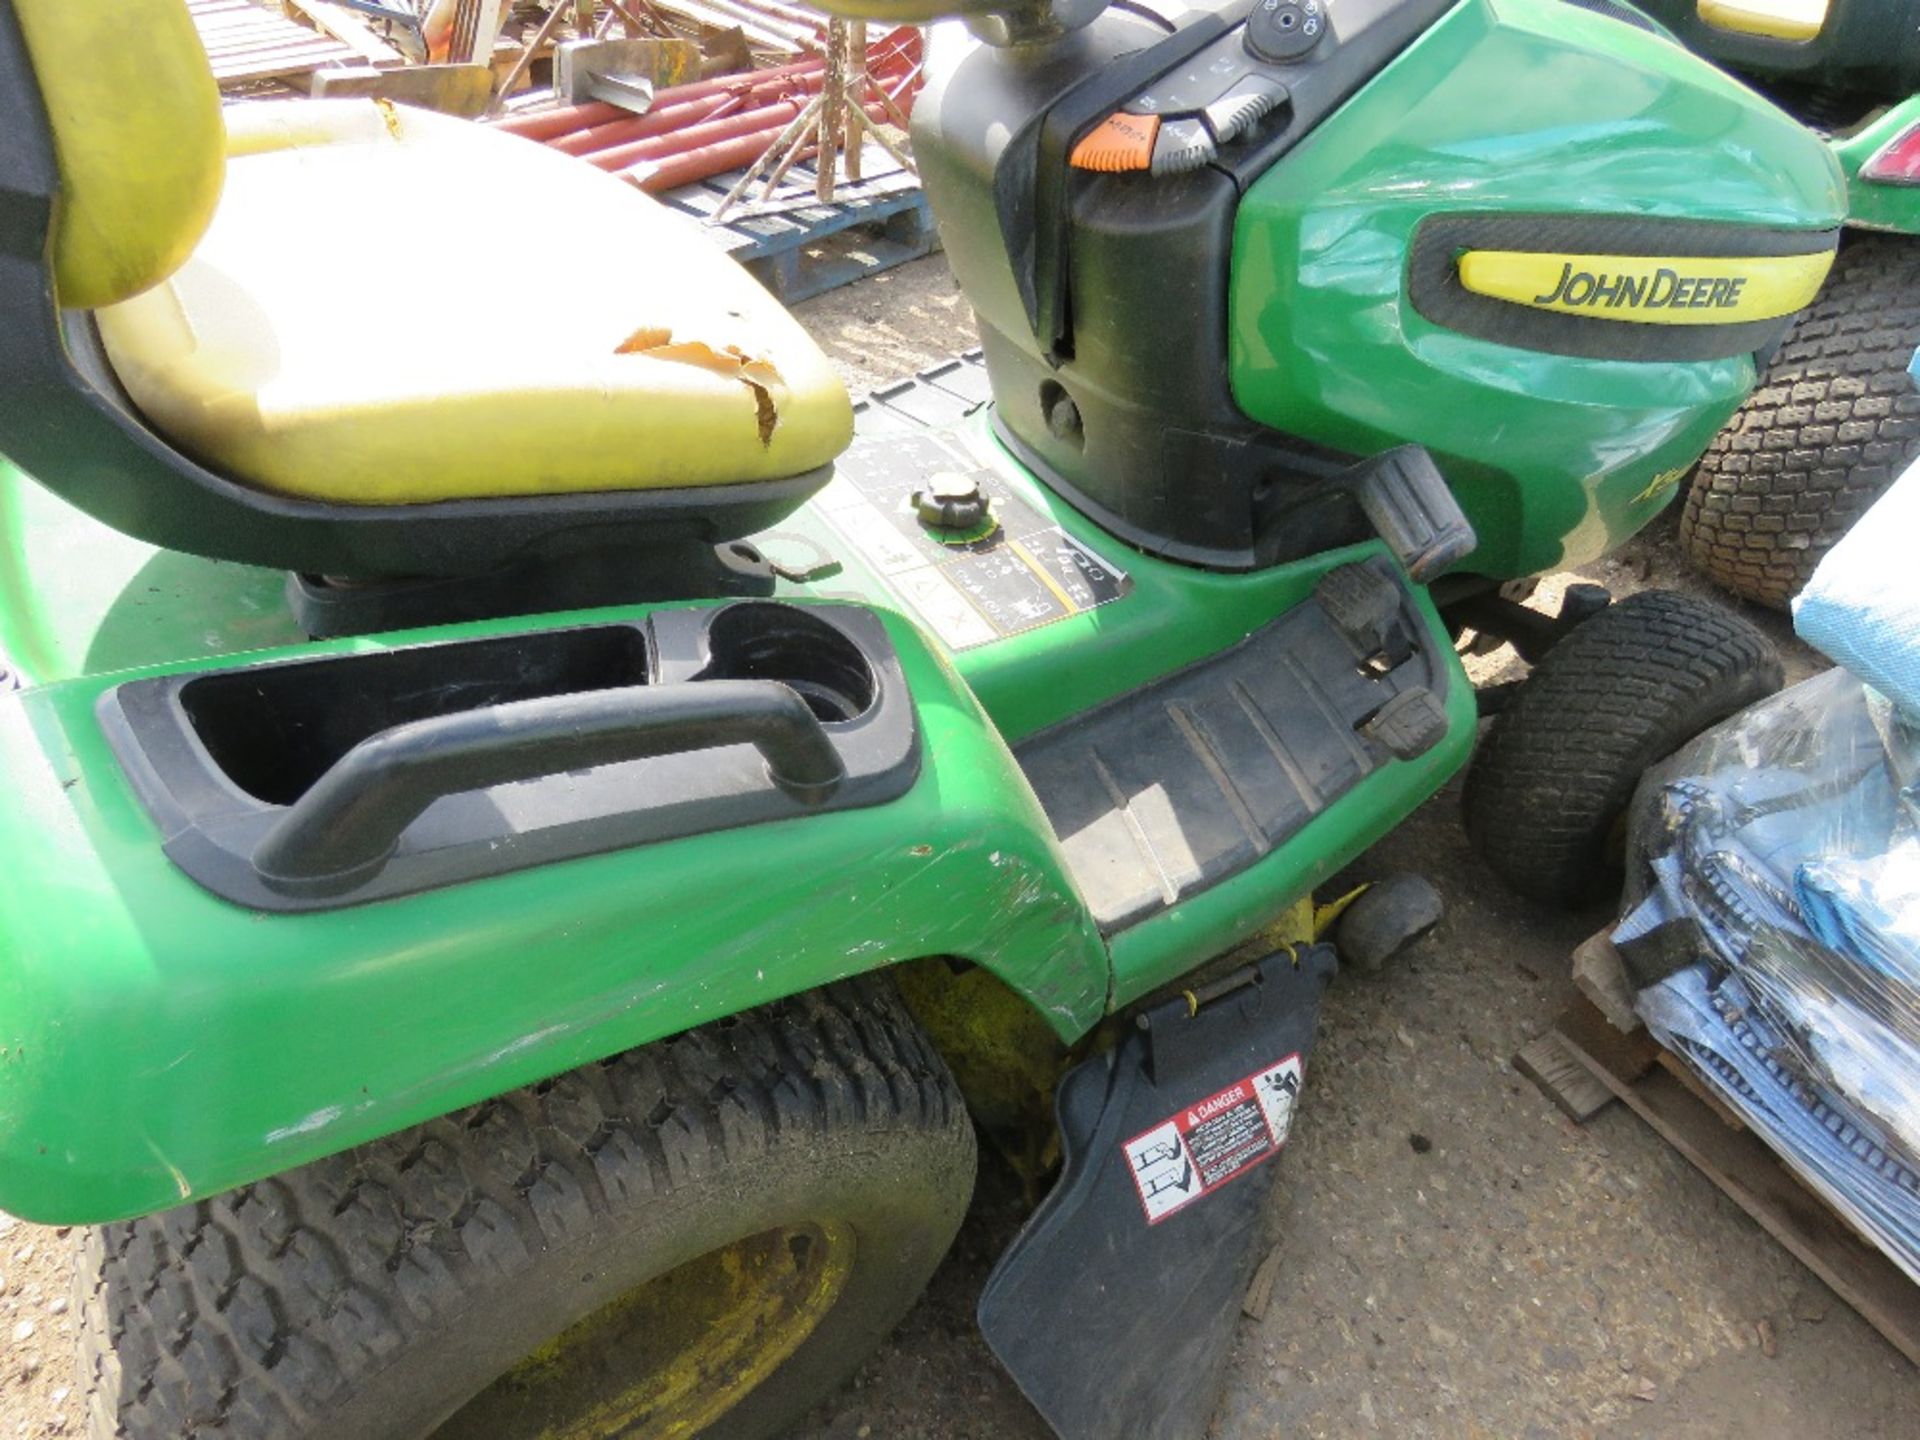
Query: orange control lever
pixel 1119 142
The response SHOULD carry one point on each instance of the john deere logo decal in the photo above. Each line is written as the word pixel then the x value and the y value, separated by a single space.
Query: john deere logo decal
pixel 1649 290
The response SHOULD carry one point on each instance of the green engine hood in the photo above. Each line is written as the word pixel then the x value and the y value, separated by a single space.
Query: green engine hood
pixel 1517 111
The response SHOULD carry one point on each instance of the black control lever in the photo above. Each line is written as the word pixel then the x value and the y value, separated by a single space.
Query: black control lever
pixel 1407 501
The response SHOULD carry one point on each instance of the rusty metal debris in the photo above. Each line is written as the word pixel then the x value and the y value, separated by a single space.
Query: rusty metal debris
pixel 268 48
pixel 767 120
pixel 749 114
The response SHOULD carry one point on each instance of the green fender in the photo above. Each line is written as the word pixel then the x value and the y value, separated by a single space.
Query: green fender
pixel 1875 204
pixel 159 1044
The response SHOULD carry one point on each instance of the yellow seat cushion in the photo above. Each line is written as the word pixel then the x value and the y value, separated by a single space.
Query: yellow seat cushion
pixel 1774 19
pixel 395 307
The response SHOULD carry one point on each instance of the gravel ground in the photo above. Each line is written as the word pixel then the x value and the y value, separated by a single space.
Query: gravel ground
pixel 1457 1259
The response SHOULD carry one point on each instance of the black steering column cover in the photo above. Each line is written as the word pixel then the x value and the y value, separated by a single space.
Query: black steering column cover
pixel 1030 182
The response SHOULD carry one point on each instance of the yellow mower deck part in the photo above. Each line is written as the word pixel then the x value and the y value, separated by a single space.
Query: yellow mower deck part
pixel 1649 289
pixel 375 318
pixel 137 136
pixel 1774 19
pixel 1326 916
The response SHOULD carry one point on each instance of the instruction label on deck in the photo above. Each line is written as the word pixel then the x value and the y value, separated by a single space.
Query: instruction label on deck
pixel 1023 573
pixel 1193 1153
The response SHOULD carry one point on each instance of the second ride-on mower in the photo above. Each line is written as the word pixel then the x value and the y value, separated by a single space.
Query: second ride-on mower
pixel 1834 418
pixel 528 855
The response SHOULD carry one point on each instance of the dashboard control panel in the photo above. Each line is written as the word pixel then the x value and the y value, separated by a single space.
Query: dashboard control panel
pixel 1179 122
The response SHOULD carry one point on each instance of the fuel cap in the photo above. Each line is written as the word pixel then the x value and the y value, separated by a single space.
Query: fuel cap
pixel 953 503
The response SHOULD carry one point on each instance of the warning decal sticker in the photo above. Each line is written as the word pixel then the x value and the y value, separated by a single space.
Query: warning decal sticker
pixel 1022 572
pixel 1193 1153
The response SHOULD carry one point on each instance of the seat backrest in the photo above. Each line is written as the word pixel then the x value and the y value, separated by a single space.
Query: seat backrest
pixel 137 135
pixel 1775 19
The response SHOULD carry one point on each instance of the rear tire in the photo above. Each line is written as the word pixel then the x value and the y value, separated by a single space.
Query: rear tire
pixel 769 1194
pixel 1835 419
pixel 1550 783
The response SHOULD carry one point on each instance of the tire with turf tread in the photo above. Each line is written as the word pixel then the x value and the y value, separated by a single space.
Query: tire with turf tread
pixel 372 1294
pixel 1833 421
pixel 1552 777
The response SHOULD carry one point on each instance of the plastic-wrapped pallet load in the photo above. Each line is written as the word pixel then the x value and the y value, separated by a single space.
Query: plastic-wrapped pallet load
pixel 1773 905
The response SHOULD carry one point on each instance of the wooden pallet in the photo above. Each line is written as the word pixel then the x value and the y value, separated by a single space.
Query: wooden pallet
pixel 1584 1063
pixel 799 248
pixel 247 42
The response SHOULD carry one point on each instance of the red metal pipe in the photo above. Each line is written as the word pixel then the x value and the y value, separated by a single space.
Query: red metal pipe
pixel 679 142
pixel 692 137
pixel 763 87
pixel 566 119
pixel 752 77
pixel 714 159
pixel 656 121
pixel 682 111
pixel 546 124
pixel 655 177
pixel 599 131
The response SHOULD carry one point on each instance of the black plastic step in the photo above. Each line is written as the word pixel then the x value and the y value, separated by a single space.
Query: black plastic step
pixel 1176 787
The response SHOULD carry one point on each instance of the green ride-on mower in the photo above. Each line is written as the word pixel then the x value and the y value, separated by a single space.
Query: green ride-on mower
pixel 536 832
pixel 1835 417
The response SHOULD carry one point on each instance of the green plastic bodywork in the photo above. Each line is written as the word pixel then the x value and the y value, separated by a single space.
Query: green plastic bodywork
pixel 1507 107
pixel 129 996
pixel 1874 204
pixel 159 1044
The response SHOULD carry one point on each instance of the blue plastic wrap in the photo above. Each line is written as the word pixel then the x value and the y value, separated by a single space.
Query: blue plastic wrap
pixel 1862 606
pixel 1727 1037
pixel 1773 921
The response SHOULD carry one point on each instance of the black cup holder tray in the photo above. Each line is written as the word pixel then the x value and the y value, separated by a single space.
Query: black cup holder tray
pixel 316 783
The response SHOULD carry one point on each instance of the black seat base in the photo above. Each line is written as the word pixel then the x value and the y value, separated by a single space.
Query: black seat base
pixel 326 607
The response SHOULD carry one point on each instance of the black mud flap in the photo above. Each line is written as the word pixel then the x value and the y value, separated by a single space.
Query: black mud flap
pixel 1114 1307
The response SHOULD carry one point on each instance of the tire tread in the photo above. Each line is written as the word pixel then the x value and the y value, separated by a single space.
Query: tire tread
pixel 1620 693
pixel 1834 419
pixel 253 1313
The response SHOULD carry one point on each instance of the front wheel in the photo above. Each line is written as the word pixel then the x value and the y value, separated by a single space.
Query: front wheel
pixel 1547 794
pixel 702 1236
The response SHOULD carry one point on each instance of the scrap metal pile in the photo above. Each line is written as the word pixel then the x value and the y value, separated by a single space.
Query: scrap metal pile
pixel 772 86
pixel 290 40
pixel 695 131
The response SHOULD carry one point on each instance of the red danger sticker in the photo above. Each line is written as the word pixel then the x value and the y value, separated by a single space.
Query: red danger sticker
pixel 1191 1154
